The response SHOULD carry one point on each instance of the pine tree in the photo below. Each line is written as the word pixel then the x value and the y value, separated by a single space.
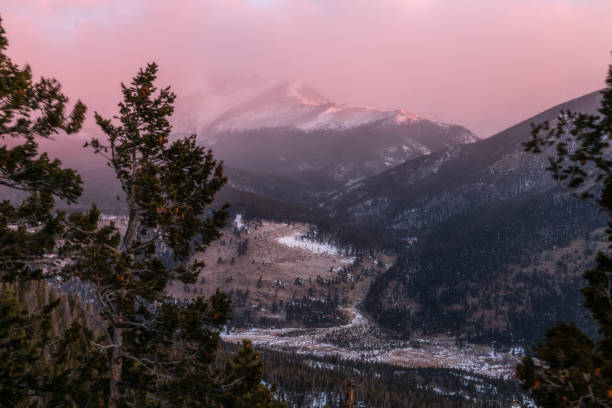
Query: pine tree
pixel 161 352
pixel 20 350
pixel 569 369
pixel 29 111
pixel 40 366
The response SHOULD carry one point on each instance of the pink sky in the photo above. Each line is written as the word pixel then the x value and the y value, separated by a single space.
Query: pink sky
pixel 485 64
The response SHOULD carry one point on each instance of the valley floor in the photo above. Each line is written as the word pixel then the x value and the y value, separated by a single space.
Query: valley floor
pixel 280 253
pixel 276 255
pixel 422 352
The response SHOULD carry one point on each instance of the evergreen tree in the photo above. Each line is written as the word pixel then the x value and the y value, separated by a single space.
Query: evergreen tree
pixel 20 350
pixel 569 368
pixel 41 364
pixel 161 353
pixel 28 111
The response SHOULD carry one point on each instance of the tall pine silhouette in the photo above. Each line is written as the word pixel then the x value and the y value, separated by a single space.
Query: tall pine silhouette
pixel 570 369
pixel 42 364
pixel 160 352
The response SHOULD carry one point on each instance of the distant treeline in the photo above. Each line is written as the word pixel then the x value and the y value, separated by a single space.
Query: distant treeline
pixel 304 379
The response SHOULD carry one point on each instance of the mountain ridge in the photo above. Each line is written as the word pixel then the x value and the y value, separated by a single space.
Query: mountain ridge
pixel 484 232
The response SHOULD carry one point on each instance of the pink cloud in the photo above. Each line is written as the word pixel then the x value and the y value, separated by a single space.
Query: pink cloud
pixel 485 64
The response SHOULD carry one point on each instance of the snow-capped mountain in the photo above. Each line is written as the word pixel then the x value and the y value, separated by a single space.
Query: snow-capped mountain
pixel 255 104
pixel 294 104
pixel 293 130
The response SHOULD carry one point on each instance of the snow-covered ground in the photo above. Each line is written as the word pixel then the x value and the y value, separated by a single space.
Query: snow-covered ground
pixel 238 222
pixel 426 352
pixel 295 240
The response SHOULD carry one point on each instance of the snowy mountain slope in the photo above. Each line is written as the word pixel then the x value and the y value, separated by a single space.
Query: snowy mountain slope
pixel 289 129
pixel 242 105
pixel 454 179
pixel 294 104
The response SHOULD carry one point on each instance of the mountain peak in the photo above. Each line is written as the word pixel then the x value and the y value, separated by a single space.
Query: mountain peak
pixel 231 104
pixel 401 116
pixel 303 94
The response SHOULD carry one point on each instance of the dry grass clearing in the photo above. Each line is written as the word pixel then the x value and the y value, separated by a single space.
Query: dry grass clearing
pixel 265 263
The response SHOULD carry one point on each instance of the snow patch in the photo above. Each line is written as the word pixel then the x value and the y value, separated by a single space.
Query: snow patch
pixel 239 222
pixel 296 241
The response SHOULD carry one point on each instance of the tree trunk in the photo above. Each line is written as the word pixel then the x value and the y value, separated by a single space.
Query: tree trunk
pixel 350 389
pixel 130 232
pixel 116 359
pixel 115 369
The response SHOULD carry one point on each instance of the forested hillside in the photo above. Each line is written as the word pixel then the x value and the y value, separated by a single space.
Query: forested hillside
pixel 309 381
pixel 482 230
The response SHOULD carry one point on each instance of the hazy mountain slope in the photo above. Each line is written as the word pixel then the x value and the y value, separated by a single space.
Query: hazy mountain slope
pixel 283 141
pixel 291 130
pixel 291 104
pixel 473 223
pixel 101 188
pixel 427 190
pixel 331 158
